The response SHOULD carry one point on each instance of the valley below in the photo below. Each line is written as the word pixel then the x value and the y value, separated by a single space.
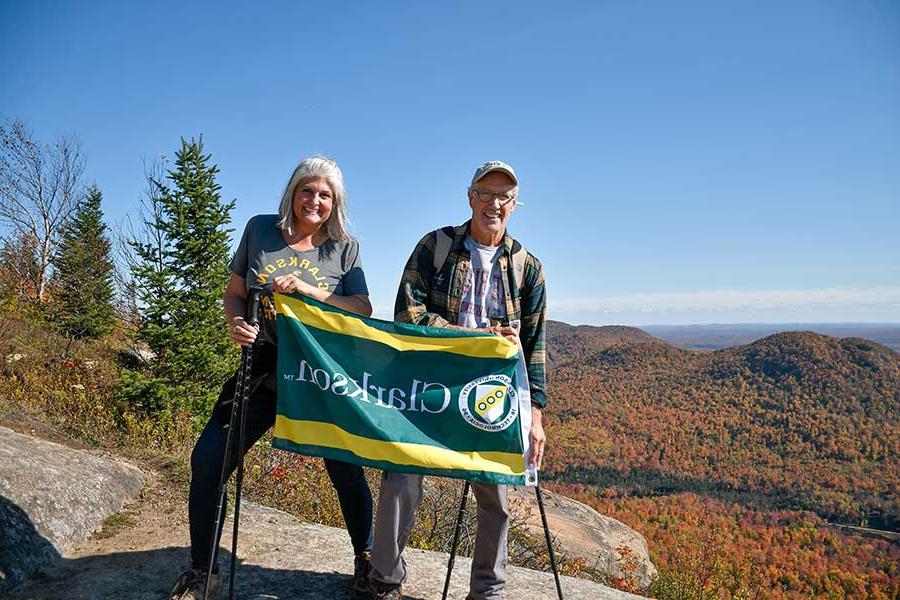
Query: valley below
pixel 736 464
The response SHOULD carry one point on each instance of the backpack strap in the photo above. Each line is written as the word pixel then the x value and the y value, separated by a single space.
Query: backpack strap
pixel 519 255
pixel 442 245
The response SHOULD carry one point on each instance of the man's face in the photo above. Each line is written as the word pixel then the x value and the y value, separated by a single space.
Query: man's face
pixel 490 213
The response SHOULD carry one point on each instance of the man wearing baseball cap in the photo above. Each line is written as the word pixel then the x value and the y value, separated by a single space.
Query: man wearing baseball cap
pixel 473 276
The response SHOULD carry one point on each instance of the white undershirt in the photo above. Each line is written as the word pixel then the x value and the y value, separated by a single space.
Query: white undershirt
pixel 482 297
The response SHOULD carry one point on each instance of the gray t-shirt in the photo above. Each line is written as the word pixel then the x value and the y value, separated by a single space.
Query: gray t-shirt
pixel 263 255
pixel 482 294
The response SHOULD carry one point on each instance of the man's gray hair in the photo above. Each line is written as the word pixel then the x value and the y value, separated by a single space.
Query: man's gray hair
pixel 317 166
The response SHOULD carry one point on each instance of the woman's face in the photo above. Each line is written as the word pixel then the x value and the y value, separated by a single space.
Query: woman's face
pixel 312 202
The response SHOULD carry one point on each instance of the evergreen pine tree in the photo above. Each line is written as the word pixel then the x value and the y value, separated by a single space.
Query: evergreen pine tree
pixel 83 278
pixel 180 273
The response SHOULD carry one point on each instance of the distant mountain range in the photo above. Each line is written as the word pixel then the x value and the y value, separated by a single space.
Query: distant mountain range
pixel 795 420
pixel 716 337
pixel 566 342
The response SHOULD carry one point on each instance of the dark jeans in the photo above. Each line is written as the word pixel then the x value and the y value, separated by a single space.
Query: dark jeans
pixel 206 467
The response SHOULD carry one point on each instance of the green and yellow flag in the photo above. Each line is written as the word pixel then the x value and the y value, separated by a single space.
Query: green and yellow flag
pixel 400 397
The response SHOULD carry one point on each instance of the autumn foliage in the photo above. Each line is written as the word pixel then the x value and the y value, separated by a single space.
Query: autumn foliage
pixel 733 462
pixel 705 548
pixel 793 421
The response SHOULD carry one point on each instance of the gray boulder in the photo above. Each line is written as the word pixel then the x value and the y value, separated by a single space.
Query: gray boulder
pixel 604 543
pixel 51 499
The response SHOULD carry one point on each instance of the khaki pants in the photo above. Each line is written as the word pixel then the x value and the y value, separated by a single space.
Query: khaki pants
pixel 398 499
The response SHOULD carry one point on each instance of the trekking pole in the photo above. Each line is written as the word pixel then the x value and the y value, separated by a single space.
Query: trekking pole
pixel 540 500
pixel 456 534
pixel 252 320
pixel 238 411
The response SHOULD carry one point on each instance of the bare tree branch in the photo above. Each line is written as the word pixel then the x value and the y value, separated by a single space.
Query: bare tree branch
pixel 39 186
pixel 129 233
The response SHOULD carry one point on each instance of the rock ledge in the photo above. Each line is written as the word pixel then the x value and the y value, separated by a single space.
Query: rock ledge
pixel 52 498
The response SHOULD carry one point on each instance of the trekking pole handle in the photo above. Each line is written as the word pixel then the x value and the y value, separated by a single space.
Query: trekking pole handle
pixel 253 295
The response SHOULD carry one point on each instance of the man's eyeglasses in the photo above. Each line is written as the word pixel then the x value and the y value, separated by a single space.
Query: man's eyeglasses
pixel 488 197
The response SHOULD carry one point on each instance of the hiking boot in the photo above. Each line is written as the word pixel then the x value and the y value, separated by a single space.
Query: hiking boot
pixel 385 591
pixel 359 585
pixel 192 584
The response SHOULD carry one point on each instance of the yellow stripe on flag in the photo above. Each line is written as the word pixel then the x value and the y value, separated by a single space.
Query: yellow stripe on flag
pixel 478 347
pixel 315 433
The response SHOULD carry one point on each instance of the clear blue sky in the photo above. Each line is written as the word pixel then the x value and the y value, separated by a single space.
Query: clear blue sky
pixel 680 162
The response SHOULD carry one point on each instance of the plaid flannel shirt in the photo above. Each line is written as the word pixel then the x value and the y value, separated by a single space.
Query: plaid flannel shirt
pixel 429 298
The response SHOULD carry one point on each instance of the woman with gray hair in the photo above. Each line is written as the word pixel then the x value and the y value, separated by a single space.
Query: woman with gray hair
pixel 304 248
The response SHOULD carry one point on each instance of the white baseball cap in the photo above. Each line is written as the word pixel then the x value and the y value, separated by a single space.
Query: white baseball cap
pixel 490 167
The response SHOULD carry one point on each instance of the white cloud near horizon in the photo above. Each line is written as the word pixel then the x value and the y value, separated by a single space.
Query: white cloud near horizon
pixel 728 305
pixel 817 305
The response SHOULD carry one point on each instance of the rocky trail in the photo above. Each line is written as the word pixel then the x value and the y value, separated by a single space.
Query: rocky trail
pixel 140 550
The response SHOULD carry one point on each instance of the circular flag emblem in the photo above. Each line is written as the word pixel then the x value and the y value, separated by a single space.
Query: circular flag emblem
pixel 489 403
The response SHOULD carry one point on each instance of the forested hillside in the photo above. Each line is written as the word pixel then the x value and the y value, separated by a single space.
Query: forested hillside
pixel 566 343
pixel 793 422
